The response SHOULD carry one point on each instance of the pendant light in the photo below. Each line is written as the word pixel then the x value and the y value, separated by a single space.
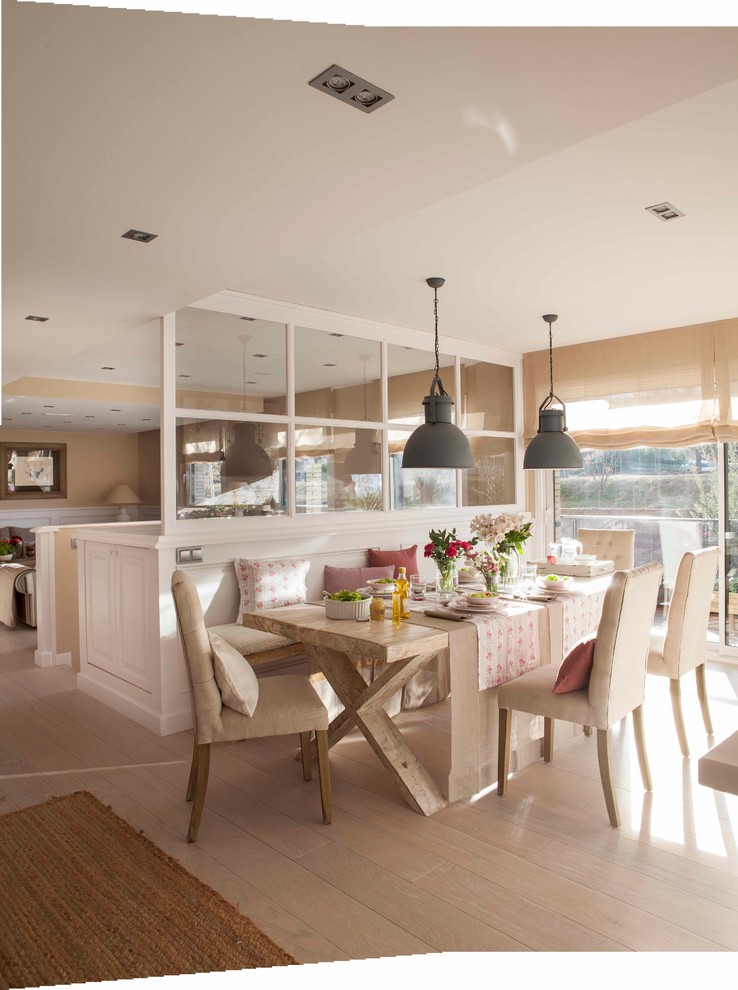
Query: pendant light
pixel 552 447
pixel 437 443
pixel 245 461
pixel 363 458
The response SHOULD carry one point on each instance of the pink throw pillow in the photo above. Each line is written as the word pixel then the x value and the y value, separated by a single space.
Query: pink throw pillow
pixel 270 584
pixel 407 558
pixel 575 671
pixel 350 578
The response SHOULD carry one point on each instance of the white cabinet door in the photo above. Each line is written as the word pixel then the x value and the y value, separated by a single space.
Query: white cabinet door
pixel 134 615
pixel 100 606
pixel 120 600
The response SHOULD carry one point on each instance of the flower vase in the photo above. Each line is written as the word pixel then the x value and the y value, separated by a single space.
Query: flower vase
pixel 509 568
pixel 445 580
pixel 490 583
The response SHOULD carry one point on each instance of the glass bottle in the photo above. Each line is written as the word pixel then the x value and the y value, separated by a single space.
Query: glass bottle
pixel 403 587
pixel 396 606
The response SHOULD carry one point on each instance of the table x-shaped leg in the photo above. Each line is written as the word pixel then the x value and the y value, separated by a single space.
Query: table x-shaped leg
pixel 364 706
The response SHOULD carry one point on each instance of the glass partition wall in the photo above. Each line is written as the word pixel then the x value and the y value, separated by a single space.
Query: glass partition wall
pixel 275 419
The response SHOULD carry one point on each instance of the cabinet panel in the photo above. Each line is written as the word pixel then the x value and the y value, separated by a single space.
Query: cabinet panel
pixel 134 608
pixel 100 607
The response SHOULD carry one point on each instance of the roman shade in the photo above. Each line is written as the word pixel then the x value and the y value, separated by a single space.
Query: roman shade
pixel 669 388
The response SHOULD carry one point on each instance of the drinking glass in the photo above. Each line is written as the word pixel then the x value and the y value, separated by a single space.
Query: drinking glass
pixel 417 587
pixel 528 575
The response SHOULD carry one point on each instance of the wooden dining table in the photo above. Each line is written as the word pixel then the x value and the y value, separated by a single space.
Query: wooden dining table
pixel 337 648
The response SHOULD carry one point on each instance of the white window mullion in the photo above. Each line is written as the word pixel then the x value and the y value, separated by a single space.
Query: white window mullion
pixel 291 446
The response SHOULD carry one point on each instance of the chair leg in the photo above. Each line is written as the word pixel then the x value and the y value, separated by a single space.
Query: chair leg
pixel 191 783
pixel 603 754
pixel 201 785
pixel 307 772
pixel 640 741
pixel 587 730
pixel 702 695
pixel 324 773
pixel 676 707
pixel 548 739
pixel 503 750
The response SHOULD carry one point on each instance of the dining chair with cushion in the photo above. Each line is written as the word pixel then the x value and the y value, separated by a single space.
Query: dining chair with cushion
pixel 617 545
pixel 682 647
pixel 614 688
pixel 230 704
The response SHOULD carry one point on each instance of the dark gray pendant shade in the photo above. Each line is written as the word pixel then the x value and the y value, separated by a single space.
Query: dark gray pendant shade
pixel 437 443
pixel 552 447
pixel 245 461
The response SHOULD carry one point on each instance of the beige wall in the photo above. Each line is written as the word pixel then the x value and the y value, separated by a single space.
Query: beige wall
pixel 65 584
pixel 149 470
pixel 95 463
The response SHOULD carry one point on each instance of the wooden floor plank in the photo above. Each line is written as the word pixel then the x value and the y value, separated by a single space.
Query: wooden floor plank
pixel 540 869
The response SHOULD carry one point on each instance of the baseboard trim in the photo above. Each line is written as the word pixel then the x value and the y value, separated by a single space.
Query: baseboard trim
pixel 160 725
pixel 43 658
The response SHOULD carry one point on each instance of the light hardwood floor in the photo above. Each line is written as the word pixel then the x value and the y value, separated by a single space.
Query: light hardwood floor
pixel 540 869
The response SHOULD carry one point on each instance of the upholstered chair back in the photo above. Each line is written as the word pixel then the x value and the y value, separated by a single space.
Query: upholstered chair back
pixel 689 611
pixel 617 545
pixel 206 699
pixel 618 678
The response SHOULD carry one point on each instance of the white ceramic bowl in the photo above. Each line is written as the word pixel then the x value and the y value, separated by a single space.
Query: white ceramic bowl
pixel 347 610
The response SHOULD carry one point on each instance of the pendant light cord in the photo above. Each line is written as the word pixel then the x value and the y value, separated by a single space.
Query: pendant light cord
pixel 435 314
pixel 550 359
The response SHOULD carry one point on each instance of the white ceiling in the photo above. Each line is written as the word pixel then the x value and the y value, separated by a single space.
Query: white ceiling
pixel 516 162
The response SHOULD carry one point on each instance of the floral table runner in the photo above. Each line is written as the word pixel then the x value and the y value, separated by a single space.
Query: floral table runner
pixel 508 638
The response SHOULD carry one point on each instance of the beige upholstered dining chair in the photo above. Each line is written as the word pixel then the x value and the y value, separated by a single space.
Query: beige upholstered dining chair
pixel 282 705
pixel 616 684
pixel 617 545
pixel 682 648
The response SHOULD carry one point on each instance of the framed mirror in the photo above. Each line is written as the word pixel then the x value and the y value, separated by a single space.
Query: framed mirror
pixel 33 470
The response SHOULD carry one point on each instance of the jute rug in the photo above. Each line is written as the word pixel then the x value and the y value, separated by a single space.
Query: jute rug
pixel 86 898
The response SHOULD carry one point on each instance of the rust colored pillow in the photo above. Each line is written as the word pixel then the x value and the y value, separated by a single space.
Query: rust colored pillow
pixel 351 578
pixel 576 667
pixel 407 558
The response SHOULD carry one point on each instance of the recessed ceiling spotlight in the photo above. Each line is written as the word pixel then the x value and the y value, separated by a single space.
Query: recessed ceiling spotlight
pixel 664 211
pixel 87 416
pixel 179 343
pixel 258 355
pixel 250 319
pixel 336 335
pixel 146 420
pixel 184 376
pixel 115 410
pixel 120 424
pixel 49 407
pixel 107 367
pixel 351 89
pixel 26 414
pixel 329 365
pixel 250 383
pixel 38 319
pixel 139 235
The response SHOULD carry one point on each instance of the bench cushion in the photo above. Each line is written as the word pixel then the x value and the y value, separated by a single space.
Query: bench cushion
pixel 247 640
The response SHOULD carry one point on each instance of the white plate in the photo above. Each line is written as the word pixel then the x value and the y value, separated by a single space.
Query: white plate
pixel 377 591
pixel 463 606
pixel 557 587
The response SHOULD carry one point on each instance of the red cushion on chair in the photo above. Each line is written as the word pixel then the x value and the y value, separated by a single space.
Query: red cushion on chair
pixel 576 667
pixel 407 558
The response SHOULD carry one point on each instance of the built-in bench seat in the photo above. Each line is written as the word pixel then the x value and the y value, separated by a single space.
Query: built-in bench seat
pixel 259 647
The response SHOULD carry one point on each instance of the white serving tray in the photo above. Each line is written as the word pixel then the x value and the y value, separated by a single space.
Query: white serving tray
pixel 591 569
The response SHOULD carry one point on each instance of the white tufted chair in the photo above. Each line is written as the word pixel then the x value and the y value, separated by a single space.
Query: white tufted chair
pixel 286 704
pixel 682 648
pixel 616 685
pixel 616 545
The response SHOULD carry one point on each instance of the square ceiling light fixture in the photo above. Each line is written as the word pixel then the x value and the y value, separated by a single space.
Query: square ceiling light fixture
pixel 139 235
pixel 350 88
pixel 665 211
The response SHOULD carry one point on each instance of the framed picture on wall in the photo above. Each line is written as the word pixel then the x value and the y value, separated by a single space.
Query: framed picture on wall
pixel 33 470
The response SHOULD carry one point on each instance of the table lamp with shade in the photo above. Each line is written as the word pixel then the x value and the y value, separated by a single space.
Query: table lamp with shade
pixel 123 495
